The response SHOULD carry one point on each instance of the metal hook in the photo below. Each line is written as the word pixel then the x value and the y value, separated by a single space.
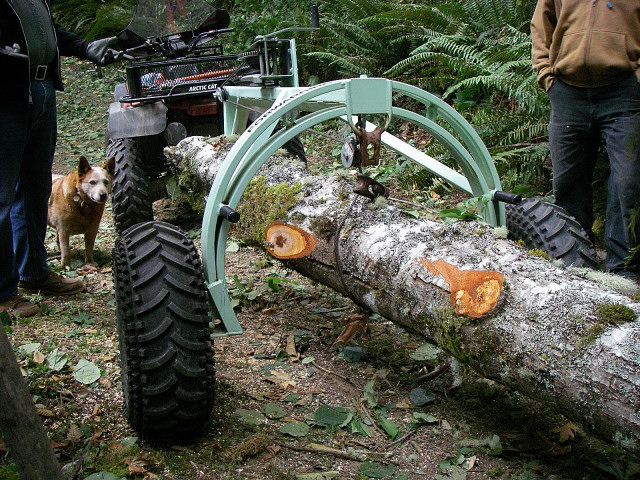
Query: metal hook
pixel 369 188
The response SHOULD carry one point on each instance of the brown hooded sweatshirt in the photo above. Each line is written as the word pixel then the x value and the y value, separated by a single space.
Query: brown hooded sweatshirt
pixel 586 43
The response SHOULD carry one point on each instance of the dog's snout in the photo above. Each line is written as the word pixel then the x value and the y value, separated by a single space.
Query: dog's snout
pixel 103 197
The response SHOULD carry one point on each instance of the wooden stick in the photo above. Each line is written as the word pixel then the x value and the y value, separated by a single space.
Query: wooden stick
pixel 328 451
pixel 348 380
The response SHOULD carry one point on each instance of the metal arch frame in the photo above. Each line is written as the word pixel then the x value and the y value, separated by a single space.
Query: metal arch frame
pixel 343 100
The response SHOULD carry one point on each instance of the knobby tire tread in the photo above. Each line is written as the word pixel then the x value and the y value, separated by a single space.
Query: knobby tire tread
pixel 164 328
pixel 130 198
pixel 548 227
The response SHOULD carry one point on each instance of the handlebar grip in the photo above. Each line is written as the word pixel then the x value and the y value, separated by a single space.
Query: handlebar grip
pixel 229 214
pixel 506 197
pixel 315 16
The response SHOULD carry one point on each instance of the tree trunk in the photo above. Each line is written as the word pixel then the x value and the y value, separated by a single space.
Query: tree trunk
pixel 554 335
pixel 20 424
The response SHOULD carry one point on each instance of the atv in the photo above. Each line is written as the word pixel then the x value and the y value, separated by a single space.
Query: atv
pixel 175 65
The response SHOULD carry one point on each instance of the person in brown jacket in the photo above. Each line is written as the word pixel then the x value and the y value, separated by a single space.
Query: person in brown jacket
pixel 585 55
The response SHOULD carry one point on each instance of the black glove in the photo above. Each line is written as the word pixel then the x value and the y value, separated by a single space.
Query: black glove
pixel 14 52
pixel 101 53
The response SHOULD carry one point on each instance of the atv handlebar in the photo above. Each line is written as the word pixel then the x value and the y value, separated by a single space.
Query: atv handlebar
pixel 175 45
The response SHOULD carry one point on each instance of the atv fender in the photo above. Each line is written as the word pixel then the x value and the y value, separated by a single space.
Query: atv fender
pixel 140 120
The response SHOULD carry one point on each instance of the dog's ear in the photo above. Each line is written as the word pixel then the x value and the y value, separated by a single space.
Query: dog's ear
pixel 110 166
pixel 83 166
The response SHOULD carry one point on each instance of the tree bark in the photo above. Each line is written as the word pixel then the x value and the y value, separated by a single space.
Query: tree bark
pixel 26 437
pixel 548 338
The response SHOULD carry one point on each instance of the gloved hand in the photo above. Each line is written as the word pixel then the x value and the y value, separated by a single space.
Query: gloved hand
pixel 14 52
pixel 101 53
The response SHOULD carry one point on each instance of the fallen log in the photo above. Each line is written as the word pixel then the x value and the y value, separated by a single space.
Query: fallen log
pixel 554 334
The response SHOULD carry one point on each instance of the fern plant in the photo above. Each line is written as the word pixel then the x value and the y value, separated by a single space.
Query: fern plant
pixel 367 37
pixel 481 62
pixel 93 19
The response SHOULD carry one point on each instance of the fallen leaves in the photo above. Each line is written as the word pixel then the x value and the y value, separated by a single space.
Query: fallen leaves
pixel 353 324
pixel 283 379
pixel 137 466
pixel 566 432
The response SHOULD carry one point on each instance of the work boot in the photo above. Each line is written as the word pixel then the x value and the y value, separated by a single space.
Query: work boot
pixel 19 306
pixel 52 284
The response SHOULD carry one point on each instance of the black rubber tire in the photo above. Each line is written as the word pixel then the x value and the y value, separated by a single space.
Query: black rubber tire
pixel 164 329
pixel 550 228
pixel 130 199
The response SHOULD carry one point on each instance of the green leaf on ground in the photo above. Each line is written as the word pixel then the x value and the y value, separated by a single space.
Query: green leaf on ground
pixel 232 247
pixel 28 348
pixel 249 417
pixel 274 411
pixel 425 418
pixel 377 469
pixel 295 429
pixel 411 212
pixel 82 319
pixel 359 427
pixel 452 473
pixel 328 416
pixel 495 447
pixel 292 397
pixel 86 372
pixel 370 394
pixel 56 360
pixel 391 428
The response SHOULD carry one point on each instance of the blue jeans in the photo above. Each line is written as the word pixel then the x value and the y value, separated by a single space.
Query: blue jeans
pixel 27 142
pixel 578 118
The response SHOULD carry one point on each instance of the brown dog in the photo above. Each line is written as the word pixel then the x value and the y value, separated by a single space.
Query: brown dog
pixel 76 205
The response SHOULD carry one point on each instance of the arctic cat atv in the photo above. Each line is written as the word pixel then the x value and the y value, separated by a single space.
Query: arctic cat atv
pixel 176 64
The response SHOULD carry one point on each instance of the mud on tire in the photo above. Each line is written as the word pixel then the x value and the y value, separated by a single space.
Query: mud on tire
pixel 130 199
pixel 164 329
pixel 550 228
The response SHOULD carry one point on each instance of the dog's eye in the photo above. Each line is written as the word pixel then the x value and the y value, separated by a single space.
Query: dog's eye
pixel 93 182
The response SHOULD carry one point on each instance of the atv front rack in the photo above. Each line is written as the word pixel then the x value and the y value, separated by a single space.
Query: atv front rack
pixel 182 77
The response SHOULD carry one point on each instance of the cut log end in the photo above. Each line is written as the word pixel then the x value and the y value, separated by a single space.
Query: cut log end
pixel 285 241
pixel 473 292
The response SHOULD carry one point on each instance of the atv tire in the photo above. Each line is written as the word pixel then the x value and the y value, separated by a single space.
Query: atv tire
pixel 548 227
pixel 130 199
pixel 164 329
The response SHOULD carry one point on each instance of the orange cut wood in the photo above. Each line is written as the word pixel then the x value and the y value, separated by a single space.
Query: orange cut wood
pixel 285 241
pixel 473 292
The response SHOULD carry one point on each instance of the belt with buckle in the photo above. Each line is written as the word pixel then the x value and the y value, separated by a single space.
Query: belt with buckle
pixel 39 72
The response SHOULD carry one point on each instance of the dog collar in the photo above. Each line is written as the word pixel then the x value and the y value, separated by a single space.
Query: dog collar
pixel 77 198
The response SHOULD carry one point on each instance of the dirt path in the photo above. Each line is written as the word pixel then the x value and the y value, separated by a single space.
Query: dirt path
pixel 290 403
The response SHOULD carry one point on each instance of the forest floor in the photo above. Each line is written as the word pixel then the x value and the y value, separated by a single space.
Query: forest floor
pixel 290 402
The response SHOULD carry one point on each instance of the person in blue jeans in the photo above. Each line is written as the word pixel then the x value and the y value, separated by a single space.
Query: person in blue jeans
pixel 30 48
pixel 586 55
